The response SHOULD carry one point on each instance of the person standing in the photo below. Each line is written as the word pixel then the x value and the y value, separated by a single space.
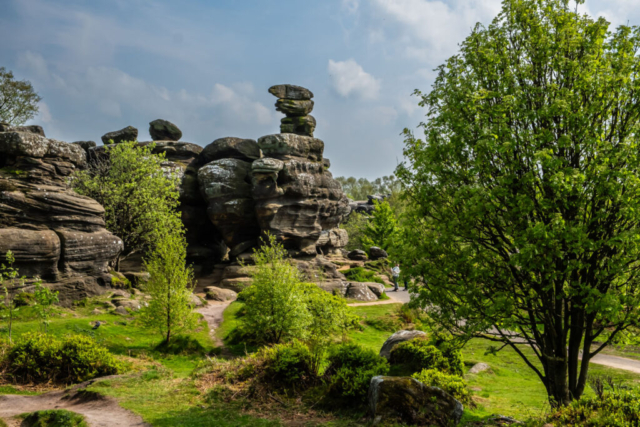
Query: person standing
pixel 395 275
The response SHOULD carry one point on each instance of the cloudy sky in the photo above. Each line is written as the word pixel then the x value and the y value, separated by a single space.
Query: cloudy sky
pixel 206 65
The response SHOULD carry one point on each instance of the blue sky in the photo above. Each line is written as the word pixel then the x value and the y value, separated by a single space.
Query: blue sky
pixel 101 65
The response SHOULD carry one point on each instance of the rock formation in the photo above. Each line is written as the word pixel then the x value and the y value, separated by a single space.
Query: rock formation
pixel 126 134
pixel 295 102
pixel 53 232
pixel 163 130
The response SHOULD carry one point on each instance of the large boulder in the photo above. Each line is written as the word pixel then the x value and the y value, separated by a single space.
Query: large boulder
pixel 293 107
pixel 287 91
pixel 397 338
pixel 377 253
pixel 361 292
pixel 299 125
pixel 164 130
pixel 357 255
pixel 117 136
pixel 406 399
pixel 230 148
pixel 218 294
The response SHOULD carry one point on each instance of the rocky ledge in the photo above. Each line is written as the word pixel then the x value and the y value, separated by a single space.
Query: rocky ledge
pixel 54 233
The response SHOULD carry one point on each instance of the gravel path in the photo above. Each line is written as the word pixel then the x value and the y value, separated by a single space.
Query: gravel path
pixel 212 312
pixel 98 410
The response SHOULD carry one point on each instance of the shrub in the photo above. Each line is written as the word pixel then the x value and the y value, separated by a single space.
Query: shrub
pixel 351 368
pixel 420 354
pixel 359 274
pixel 54 418
pixel 75 358
pixel 287 366
pixel 615 408
pixel 452 384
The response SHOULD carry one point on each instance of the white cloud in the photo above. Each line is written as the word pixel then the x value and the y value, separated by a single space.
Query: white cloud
pixel 428 30
pixel 115 99
pixel 349 79
pixel 44 114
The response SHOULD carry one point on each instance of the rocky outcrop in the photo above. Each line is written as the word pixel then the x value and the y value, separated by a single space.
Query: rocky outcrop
pixel 295 102
pixel 126 134
pixel 367 206
pixel 407 399
pixel 377 253
pixel 163 130
pixel 358 255
pixel 54 233
pixel 397 338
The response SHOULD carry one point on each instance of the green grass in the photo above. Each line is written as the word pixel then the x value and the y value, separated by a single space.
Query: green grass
pixel 121 335
pixel 53 418
pixel 165 401
pixel 7 389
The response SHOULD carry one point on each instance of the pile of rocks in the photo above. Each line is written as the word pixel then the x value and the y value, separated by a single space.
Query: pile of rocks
pixel 295 102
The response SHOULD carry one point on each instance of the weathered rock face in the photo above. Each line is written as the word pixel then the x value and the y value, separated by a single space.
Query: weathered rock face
pixel 163 130
pixel 126 134
pixel 53 232
pixel 296 198
pixel 409 400
pixel 226 185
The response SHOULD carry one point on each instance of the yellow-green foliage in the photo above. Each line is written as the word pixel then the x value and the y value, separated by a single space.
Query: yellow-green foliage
pixel 419 354
pixel 616 408
pixel 53 418
pixel 40 358
pixel 452 384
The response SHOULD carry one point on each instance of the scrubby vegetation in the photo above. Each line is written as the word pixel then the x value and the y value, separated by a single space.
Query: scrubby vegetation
pixel 359 274
pixel 40 358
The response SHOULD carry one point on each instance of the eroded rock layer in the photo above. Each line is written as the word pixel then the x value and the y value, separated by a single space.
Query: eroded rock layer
pixel 54 233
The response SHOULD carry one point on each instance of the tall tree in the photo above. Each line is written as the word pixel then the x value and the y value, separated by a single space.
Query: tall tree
pixel 18 100
pixel 138 197
pixel 525 192
pixel 170 285
pixel 382 227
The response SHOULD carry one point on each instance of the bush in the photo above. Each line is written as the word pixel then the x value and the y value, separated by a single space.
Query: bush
pixel 54 418
pixel 419 354
pixel 359 274
pixel 351 368
pixel 75 358
pixel 452 384
pixel 287 366
pixel 616 408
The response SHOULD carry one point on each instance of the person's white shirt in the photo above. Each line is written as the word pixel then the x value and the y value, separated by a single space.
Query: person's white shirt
pixel 395 271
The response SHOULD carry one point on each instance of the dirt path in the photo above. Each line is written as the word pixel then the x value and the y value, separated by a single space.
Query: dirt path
pixel 212 313
pixel 98 410
pixel 395 298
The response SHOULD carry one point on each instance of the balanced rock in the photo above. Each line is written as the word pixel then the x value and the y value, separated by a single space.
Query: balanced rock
pixel 164 130
pixel 291 92
pixel 126 134
pixel 397 338
pixel 407 399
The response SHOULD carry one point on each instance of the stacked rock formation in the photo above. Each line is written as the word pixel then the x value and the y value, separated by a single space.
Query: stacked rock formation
pixel 117 136
pixel 295 102
pixel 53 232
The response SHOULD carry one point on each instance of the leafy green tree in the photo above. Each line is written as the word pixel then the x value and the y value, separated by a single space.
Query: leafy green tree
pixel 45 298
pixel 138 197
pixel 279 306
pixel 275 308
pixel 382 227
pixel 355 225
pixel 170 285
pixel 18 100
pixel 360 188
pixel 525 193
